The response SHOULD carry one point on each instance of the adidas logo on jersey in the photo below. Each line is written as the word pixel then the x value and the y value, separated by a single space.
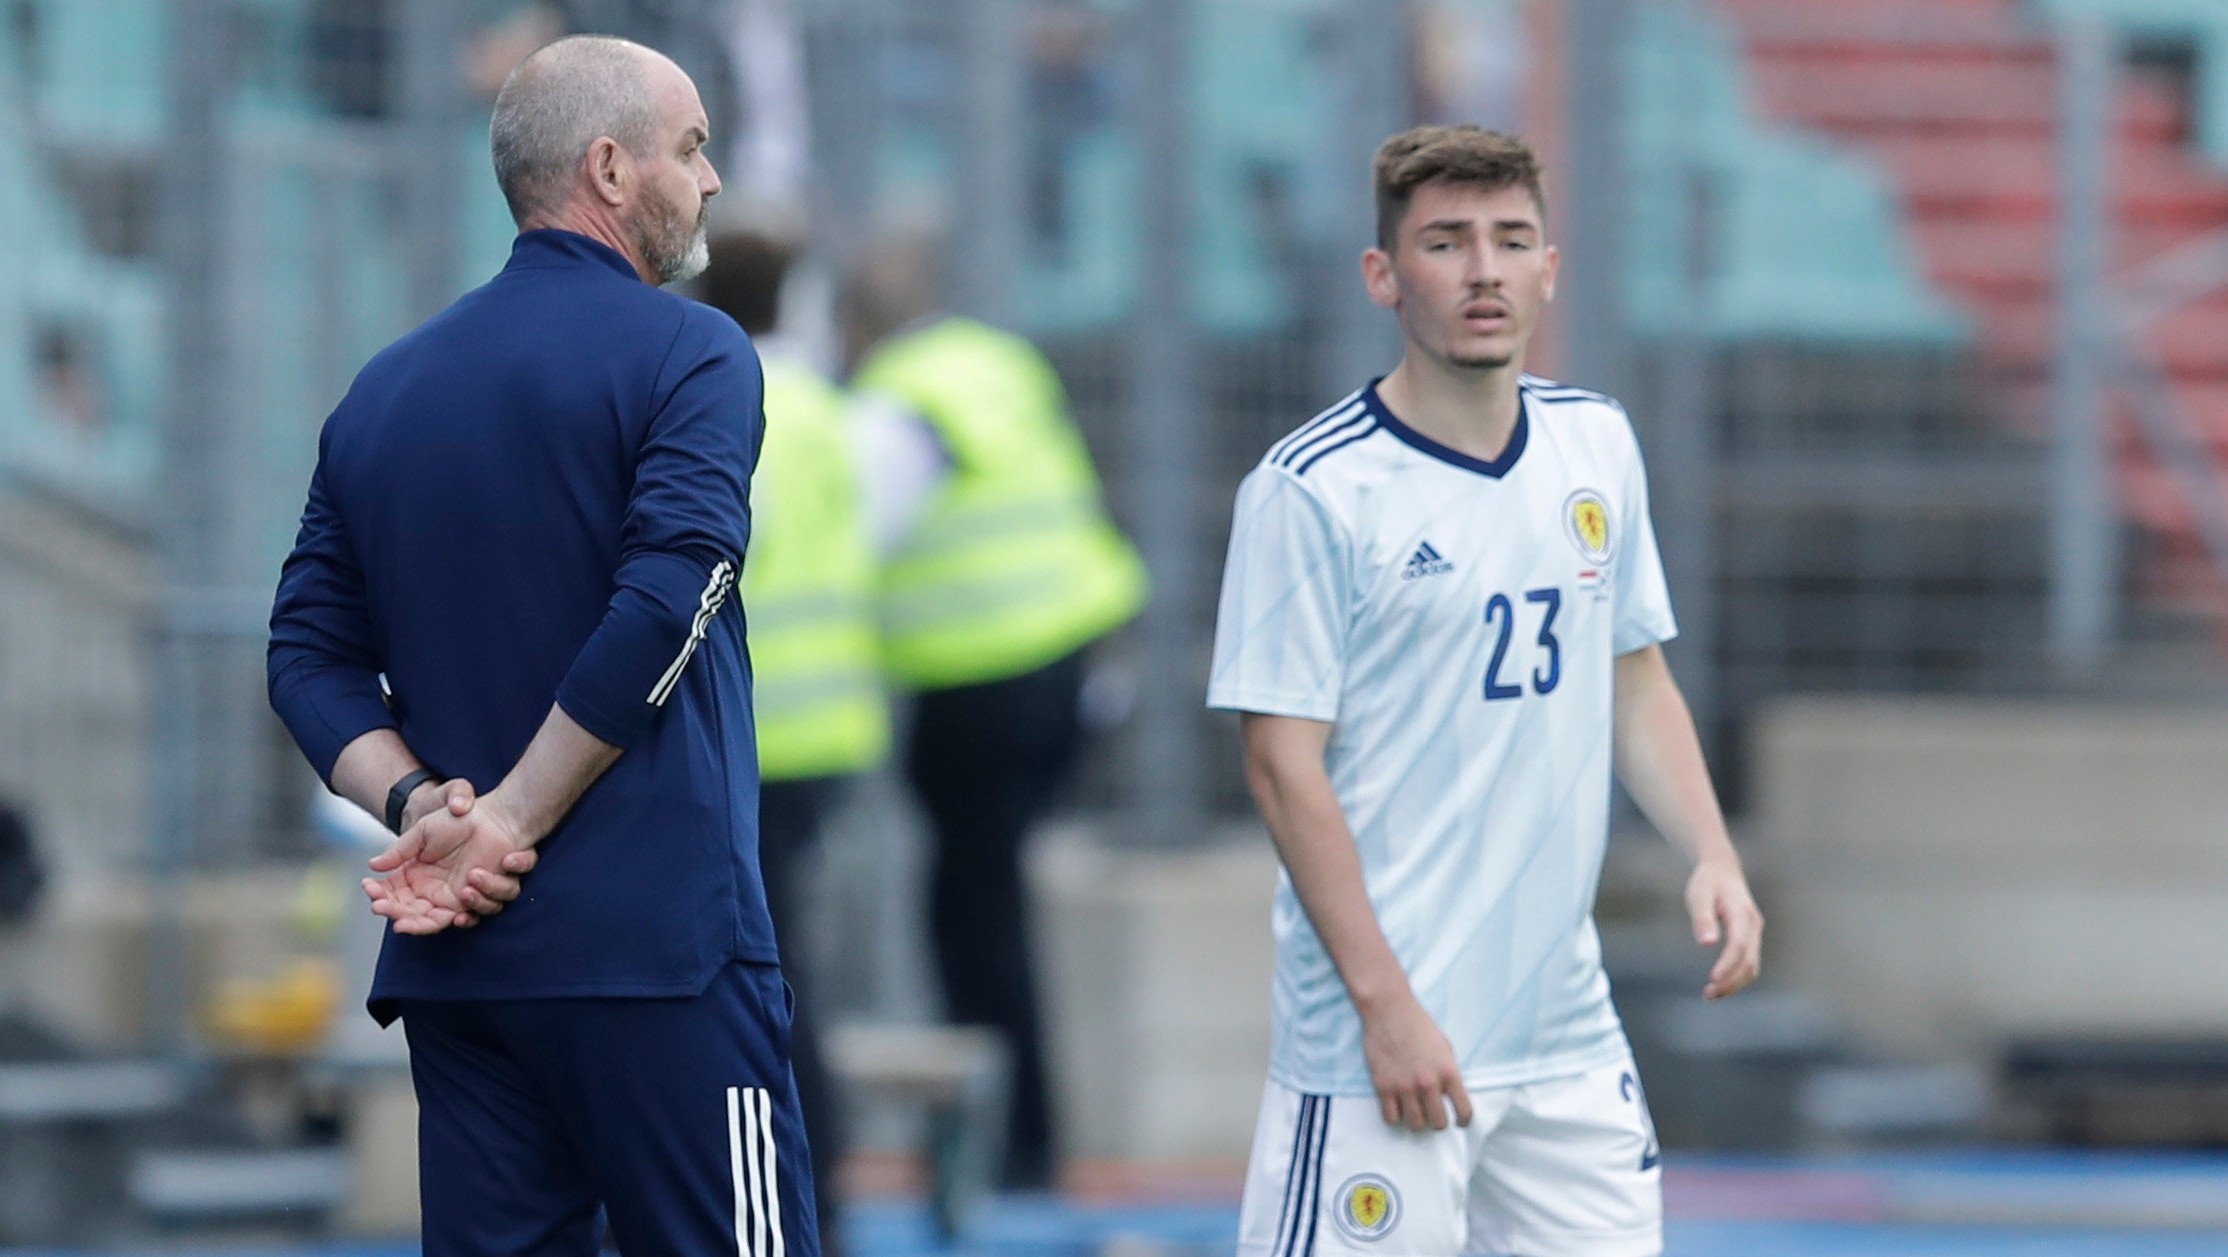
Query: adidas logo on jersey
pixel 1425 562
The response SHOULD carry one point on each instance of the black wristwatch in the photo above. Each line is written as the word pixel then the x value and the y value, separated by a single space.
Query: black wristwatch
pixel 398 797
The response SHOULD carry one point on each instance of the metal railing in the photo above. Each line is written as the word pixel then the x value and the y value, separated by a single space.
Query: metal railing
pixel 2144 297
pixel 2117 352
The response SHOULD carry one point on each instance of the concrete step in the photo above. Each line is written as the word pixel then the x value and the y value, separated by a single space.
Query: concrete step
pixel 232 1185
pixel 1893 1104
pixel 959 1077
pixel 2123 1089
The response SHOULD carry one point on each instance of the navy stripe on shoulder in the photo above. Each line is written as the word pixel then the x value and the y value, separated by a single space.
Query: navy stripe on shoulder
pixel 1322 452
pixel 1541 387
pixel 1343 410
pixel 1300 433
pixel 1315 434
pixel 1566 393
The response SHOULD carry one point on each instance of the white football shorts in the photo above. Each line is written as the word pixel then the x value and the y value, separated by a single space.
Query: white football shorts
pixel 1561 1168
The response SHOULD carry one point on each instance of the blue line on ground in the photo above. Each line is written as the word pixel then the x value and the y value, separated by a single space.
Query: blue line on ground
pixel 1950 1204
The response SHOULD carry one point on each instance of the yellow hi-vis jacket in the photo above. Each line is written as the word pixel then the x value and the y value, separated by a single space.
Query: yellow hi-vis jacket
pixel 808 590
pixel 1014 563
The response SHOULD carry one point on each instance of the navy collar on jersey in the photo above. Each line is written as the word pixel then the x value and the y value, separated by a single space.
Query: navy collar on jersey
pixel 1497 468
pixel 552 246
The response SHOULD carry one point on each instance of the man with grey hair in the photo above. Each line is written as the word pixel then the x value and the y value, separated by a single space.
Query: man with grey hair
pixel 505 625
pixel 559 103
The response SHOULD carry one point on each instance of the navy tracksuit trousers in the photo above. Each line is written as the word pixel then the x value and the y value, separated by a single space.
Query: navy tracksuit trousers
pixel 678 1116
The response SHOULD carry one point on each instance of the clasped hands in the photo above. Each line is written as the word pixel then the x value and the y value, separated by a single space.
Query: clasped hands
pixel 458 862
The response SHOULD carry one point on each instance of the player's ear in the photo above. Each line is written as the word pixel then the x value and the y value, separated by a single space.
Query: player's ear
pixel 608 170
pixel 1378 278
pixel 1554 264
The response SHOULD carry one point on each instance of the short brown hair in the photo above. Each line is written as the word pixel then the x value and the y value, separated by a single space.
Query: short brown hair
pixel 1468 155
pixel 745 277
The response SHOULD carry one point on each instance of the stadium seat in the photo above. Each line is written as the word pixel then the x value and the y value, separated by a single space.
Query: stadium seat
pixel 99 69
pixel 1959 102
pixel 109 309
pixel 2201 25
pixel 1807 243
pixel 1264 105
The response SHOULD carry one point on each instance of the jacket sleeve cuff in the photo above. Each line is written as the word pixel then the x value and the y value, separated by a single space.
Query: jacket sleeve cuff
pixel 325 711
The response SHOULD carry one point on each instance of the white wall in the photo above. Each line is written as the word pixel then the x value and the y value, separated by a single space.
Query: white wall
pixel 1156 987
pixel 1949 873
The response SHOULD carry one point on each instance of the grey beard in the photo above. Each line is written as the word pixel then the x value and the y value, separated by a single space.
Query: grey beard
pixel 674 257
pixel 688 262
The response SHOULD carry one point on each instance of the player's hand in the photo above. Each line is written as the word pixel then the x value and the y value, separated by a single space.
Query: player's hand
pixel 1717 899
pixel 1412 1066
pixel 455 866
pixel 455 794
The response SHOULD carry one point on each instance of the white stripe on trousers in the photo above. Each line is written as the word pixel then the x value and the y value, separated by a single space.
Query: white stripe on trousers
pixel 750 1163
pixel 773 1184
pixel 735 1168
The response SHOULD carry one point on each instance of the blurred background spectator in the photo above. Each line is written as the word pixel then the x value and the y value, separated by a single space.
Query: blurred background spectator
pixel 1005 572
pixel 821 711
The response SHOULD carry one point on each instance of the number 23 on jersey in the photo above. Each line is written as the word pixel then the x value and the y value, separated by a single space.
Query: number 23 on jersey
pixel 1500 620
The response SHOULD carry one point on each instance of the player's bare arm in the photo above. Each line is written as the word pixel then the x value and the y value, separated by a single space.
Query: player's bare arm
pixel 444 862
pixel 1659 760
pixel 1411 1064
pixel 371 764
pixel 559 765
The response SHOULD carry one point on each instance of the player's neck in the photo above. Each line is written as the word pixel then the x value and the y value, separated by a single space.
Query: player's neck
pixel 599 224
pixel 1470 411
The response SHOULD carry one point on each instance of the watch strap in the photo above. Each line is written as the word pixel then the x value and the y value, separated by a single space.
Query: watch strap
pixel 398 797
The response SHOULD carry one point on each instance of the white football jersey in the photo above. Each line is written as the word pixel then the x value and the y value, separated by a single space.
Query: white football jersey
pixel 1455 622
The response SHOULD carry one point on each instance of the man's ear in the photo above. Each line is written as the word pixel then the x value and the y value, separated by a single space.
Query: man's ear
pixel 609 170
pixel 1378 278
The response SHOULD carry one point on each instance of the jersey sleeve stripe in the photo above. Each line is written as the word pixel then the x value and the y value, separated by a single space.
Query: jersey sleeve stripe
pixel 1567 395
pixel 1343 410
pixel 1326 451
pixel 1555 390
pixel 1293 451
